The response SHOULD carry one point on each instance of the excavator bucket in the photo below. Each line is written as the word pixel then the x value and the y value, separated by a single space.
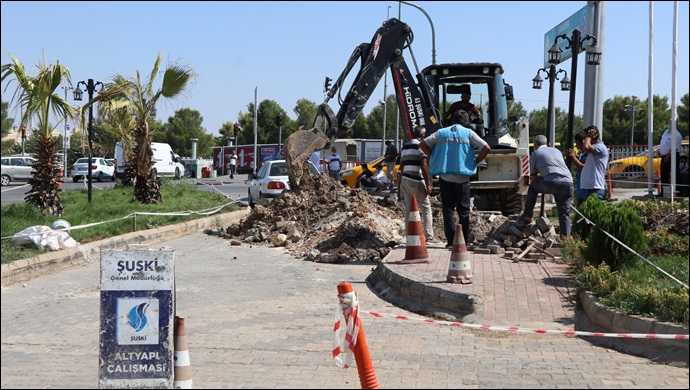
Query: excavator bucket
pixel 301 144
pixel 297 148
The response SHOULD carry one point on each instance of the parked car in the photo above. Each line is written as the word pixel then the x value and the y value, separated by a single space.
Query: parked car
pixel 17 168
pixel 635 167
pixel 350 177
pixel 100 169
pixel 271 180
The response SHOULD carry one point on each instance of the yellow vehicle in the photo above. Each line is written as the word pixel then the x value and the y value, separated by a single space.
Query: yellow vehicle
pixel 635 167
pixel 350 177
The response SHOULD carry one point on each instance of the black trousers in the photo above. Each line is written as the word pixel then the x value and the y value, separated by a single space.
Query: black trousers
pixel 666 168
pixel 455 198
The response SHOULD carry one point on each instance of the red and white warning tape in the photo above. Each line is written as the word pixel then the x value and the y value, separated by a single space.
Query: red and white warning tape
pixel 348 311
pixel 538 331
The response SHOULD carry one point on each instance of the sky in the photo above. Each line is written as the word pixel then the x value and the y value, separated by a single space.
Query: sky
pixel 283 51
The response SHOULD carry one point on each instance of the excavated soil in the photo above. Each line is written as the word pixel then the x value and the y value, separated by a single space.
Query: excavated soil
pixel 321 220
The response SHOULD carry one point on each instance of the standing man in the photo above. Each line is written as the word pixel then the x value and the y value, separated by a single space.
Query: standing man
pixel 454 161
pixel 665 152
pixel 334 165
pixel 549 175
pixel 390 155
pixel 417 181
pixel 579 162
pixel 316 160
pixel 593 174
pixel 232 165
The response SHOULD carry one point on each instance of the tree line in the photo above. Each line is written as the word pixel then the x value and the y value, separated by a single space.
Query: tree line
pixel 126 113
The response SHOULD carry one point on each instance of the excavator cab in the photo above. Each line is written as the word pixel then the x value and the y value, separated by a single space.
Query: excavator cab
pixel 489 94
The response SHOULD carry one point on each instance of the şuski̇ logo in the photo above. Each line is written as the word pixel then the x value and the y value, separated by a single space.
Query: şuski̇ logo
pixel 137 316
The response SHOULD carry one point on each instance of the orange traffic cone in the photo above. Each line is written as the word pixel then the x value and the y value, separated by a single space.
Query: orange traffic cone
pixel 415 249
pixel 183 370
pixel 360 349
pixel 460 267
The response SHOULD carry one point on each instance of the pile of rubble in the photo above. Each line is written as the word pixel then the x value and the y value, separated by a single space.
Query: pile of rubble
pixel 519 242
pixel 323 221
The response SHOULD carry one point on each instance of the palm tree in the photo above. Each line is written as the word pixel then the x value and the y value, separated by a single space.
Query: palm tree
pixel 119 123
pixel 140 100
pixel 37 97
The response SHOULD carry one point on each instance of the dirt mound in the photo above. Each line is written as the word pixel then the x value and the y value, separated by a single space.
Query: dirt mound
pixel 320 220
pixel 676 222
pixel 323 221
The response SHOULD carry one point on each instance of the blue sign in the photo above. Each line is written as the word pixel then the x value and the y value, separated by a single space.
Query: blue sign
pixel 137 304
pixel 579 20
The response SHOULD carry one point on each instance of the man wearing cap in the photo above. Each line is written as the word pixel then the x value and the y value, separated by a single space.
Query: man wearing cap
pixel 454 161
pixel 416 182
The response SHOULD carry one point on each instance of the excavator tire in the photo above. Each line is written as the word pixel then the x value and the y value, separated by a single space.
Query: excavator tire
pixel 511 201
pixel 506 200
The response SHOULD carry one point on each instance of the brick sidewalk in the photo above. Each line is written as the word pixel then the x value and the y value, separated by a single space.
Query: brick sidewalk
pixel 518 294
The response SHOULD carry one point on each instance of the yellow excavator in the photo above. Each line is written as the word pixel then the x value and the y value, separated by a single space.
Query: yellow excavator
pixel 422 97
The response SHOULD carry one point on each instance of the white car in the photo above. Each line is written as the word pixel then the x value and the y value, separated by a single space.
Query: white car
pixel 100 169
pixel 271 180
pixel 17 168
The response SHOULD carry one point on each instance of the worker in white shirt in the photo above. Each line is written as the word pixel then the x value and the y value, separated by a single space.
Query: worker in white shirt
pixel 665 152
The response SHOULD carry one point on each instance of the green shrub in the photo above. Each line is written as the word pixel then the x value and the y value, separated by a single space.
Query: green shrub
pixel 620 221
pixel 618 291
pixel 591 209
pixel 625 225
pixel 673 306
pixel 599 280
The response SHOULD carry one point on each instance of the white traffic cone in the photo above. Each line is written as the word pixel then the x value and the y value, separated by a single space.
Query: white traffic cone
pixel 183 369
pixel 460 266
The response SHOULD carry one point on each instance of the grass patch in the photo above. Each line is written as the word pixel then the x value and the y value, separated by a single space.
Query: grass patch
pixel 106 205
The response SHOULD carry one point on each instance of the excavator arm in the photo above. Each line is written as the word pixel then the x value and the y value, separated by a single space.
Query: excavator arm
pixel 415 99
pixel 385 51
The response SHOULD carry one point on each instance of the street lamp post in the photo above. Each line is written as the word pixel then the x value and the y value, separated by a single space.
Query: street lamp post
pixel 65 144
pixel 632 107
pixel 90 88
pixel 279 121
pixel 552 76
pixel 385 87
pixel 593 57
pixel 433 33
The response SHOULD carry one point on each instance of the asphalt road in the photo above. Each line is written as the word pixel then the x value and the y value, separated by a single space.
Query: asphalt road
pixel 258 318
pixel 236 188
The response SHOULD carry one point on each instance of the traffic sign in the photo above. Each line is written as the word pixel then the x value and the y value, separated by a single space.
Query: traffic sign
pixel 579 20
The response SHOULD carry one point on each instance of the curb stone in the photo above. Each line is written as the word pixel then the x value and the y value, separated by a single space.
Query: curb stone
pixel 673 352
pixel 26 269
